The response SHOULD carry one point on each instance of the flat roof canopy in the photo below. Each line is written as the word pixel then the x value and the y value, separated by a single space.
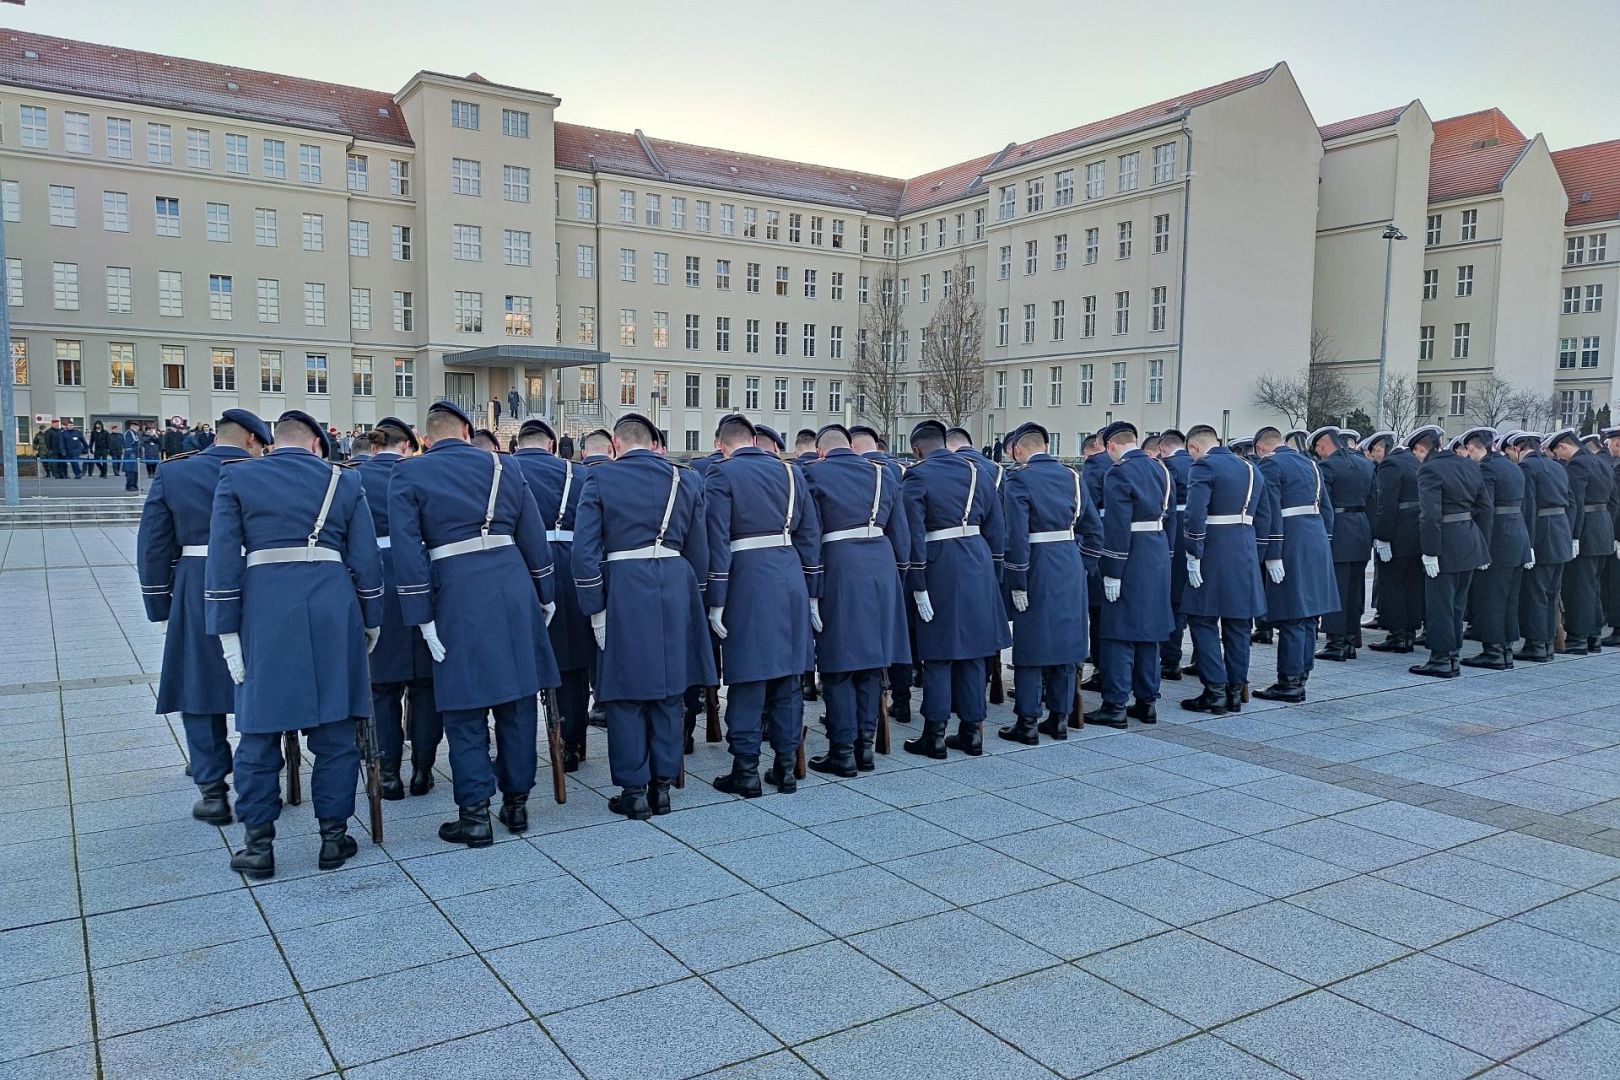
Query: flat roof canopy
pixel 540 355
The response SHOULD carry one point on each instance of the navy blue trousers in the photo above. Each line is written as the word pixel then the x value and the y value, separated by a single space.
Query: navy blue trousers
pixel 573 699
pixel 427 729
pixel 1221 649
pixel 207 747
pixel 1445 598
pixel 332 779
pixel 1054 685
pixel 900 677
pixel 1296 647
pixel 1400 595
pixel 1170 651
pixel 1129 667
pixel 769 708
pixel 645 739
pixel 851 699
pixel 953 686
pixel 1538 601
pixel 1583 599
pixel 517 725
pixel 1351 578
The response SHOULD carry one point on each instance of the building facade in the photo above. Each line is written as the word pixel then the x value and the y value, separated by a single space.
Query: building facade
pixel 1587 318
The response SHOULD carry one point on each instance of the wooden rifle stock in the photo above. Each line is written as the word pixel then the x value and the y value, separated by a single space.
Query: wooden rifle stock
pixel 554 744
pixel 366 734
pixel 711 714
pixel 295 762
pixel 998 691
pixel 883 717
pixel 1077 718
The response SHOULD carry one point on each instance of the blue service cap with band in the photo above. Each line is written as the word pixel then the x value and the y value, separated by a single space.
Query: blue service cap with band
pixel 928 429
pixel 248 422
pixel 736 418
pixel 536 426
pixel 451 408
pixel 770 433
pixel 1108 433
pixel 394 423
pixel 300 416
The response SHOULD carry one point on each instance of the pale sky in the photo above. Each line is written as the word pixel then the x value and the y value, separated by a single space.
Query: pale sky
pixel 904 86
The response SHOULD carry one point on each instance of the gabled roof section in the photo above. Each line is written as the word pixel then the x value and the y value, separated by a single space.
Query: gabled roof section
pixel 60 65
pixel 1475 131
pixel 1473 154
pixel 952 182
pixel 1357 125
pixel 1591 176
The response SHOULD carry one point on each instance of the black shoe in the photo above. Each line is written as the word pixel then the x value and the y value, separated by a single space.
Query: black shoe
pixel 1261 637
pixel 1023 730
pixel 780 774
pixel 1436 667
pixel 1573 647
pixel 1493 657
pixel 658 797
pixel 1613 640
pixel 215 805
pixel 900 717
pixel 864 761
pixel 421 779
pixel 1055 726
pixel 471 827
pixel 1170 672
pixel 1094 683
pixel 1594 645
pixel 1535 652
pixel 257 859
pixel 572 756
pixel 837 761
pixel 930 744
pixel 1288 688
pixel 1212 700
pixel 743 779
pixel 515 813
pixel 1338 649
pixel 337 846
pixel 969 739
pixel 1143 711
pixel 393 788
pixel 597 716
pixel 1107 716
pixel 632 803
pixel 1234 697
pixel 1396 642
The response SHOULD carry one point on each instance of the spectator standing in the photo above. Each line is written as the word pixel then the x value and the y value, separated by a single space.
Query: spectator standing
pixel 514 403
pixel 151 449
pixel 53 450
pixel 173 439
pixel 73 448
pixel 565 449
pixel 130 463
pixel 494 412
pixel 100 446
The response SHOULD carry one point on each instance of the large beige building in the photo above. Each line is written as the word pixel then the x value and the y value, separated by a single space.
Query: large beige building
pixel 184 237
pixel 1588 322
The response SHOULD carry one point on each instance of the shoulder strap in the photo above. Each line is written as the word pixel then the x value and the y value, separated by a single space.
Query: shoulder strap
pixel 793 493
pixel 1317 501
pixel 494 490
pixel 326 505
pixel 973 487
pixel 669 506
pixel 1079 494
pixel 1248 496
pixel 1169 487
pixel 877 495
pixel 568 483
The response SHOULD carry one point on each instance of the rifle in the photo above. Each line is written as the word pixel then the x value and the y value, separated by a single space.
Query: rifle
pixel 1077 718
pixel 998 691
pixel 883 715
pixel 366 733
pixel 554 744
pixel 295 761
pixel 809 686
pixel 798 755
pixel 711 699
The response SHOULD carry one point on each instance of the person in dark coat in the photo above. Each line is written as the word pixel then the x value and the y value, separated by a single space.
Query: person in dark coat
pixel 565 448
pixel 640 561
pixel 556 484
pixel 100 446
pixel 1300 586
pixel 1596 500
pixel 1052 530
pixel 903 674
pixel 1139 498
pixel 130 463
pixel 1173 452
pixel 401 665
pixel 1348 478
pixel 74 447
pixel 866 571
pixel 1551 510
pixel 1455 520
pixel 171 549
pixel 475 575
pixel 1395 543
pixel 955 521
pixel 514 403
pixel 1094 464
pixel 293 589
pixel 1494 596
pixel 151 449
pixel 54 466
pixel 172 441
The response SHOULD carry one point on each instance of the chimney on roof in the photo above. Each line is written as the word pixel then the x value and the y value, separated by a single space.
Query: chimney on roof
pixel 1586 196
pixel 1482 144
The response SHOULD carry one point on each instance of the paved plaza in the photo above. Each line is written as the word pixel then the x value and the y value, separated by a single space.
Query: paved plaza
pixel 1401 879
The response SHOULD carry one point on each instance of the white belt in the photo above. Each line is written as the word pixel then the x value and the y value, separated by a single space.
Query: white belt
pixel 560 536
pixel 468 546
pixel 755 543
pixel 1229 519
pixel 385 542
pixel 303 553
pixel 1147 526
pixel 1055 536
pixel 1181 508
pixel 1300 511
pixel 861 532
pixel 194 551
pixel 651 551
pixel 955 532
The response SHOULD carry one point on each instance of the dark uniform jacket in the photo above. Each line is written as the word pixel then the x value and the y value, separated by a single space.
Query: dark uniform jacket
pixel 1139 494
pixel 401 655
pixel 1395 516
pixel 1348 478
pixel 1302 513
pixel 1596 501
pixel 1512 512
pixel 1052 531
pixel 1230 490
pixel 1548 507
pixel 1455 513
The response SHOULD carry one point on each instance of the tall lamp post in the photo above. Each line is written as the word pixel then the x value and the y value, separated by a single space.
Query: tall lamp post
pixel 1391 234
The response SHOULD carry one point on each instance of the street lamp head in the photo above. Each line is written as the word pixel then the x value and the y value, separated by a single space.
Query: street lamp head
pixel 1392 233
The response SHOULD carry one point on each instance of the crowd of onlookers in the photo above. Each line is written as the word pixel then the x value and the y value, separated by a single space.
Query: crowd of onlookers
pixel 63 449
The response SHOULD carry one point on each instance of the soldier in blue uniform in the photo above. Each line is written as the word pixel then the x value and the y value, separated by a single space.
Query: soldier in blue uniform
pixel 1094 465
pixel 475 575
pixel 1348 478
pixel 958 440
pixel 640 560
pixel 293 589
pixel 170 549
pixel 866 559
pixel 1300 586
pixel 768 439
pixel 763 589
pixel 1139 497
pixel 1051 526
pixel 1374 448
pixel 1610 455
pixel 1596 501
pixel 954 518
pixel 1395 542
pixel 1552 512
pixel 1173 452
pixel 1454 533
pixel 556 484
pixel 864 441
pixel 401 666
pixel 1495 593
pixel 804 447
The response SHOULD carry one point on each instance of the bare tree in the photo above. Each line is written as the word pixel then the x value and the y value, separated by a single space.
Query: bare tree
pixel 953 354
pixel 1328 396
pixel 877 360
pixel 1314 395
pixel 1400 403
pixel 1286 394
pixel 1541 412
pixel 1494 400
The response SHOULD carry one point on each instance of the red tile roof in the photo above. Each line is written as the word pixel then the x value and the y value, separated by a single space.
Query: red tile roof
pixel 1358 124
pixel 943 185
pixel 1472 154
pixel 116 74
pixel 1591 176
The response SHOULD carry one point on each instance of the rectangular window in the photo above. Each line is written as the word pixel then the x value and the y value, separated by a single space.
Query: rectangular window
pixel 399 177
pixel 1054 388
pixel 399 242
pixel 1031 256
pixel 199 147
pixel 773 224
pixel 355 169
pixel 728 219
pixel 269 292
pixel 167 210
pixel 961 228
pixel 779 395
pixel 217 222
pixel 677 212
pixel 1594 298
pixel 655 210
pixel 863 289
pixel 65 286
pixel 114 211
pixel 120 290
pixel 781 339
pixel 171 294
pixel 1034 195
pixel 585 202
pixel 627 386
pixel 1159 308
pixel 35 127
pixel 309 163
pixel 464 114
pixel 76 132
pixel 1469 227
pixel 223 364
pixel 585 261
pixel 1006 202
pixel 587 328
pixel 1124 240
pixel 515 123
pixel 1431 284
pixel 1569 351
pixel 795 229
pixel 694 272
pixel 1001 326
pixel 838 234
pixel 701 214
pixel 174 367
pixel 627 264
pixel 519 313
pixel 1432 235
pixel 1093 244
pixel 1060 251
pixel 1164 163
pixel 1597 246
pixel 1459 341
pixel 751 336
pixel 314 303
pixel 905 291
pixel 1161 233
pixel 11 202
pixel 1087 383
pixel 514 184
pixel 1096 179
pixel 587 386
pixel 120 138
pixel 121 365
pixel 1026 387
pixel 1029 323
pixel 1155 383
pixel 1088 316
pixel 660 268
pixel 627 327
pixel 722 336
pixel 363 377
pixel 1060 309
pixel 660 338
pixel 1063 193
pixel 1001 389
pixel 1118 397
pixel 924 288
pixel 517 247
pixel 1122 313
pixel 1459 397
pixel 220 299
pixel 1129 171
pixel 265 233
pixel 315 372
pixel 69 363
pixel 694 332
pixel 888 243
pixel 1465 280
pixel 1425 343
pixel 1004 263
pixel 270 371
pixel 722 392
pixel 159 142
pixel 807 395
pixel 781 281
pixel 313 232
pixel 1589 352
pixel 978 224
pixel 751 393
pixel 404 312
pixel 466 177
pixel 404 377
pixel 64 203
pixel 274 159
pixel 360 309
pixel 360 239
pixel 810 284
pixel 809 340
pixel 467 312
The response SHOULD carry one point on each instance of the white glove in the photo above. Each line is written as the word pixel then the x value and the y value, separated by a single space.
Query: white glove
pixel 1195 572
pixel 1020 599
pixel 430 634
pixel 1111 589
pixel 1575 549
pixel 1531 565
pixel 925 607
pixel 1274 567
pixel 815 614
pixel 717 622
pixel 162 626
pixel 372 634
pixel 231 646
pixel 548 610
pixel 1431 565
pixel 1617 549
pixel 599 628
pixel 1385 552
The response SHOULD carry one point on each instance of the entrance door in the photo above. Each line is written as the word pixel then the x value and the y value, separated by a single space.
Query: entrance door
pixel 459 389
pixel 534 391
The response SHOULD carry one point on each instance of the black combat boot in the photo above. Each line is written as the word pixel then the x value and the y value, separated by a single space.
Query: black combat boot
pixel 1107 716
pixel 1613 640
pixel 864 761
pixel 632 803
pixel 421 778
pixel 1234 697
pixel 1437 667
pixel 930 744
pixel 969 738
pixel 1535 652
pixel 471 827
pixel 780 774
pixel 1261 636
pixel 689 725
pixel 1493 657
pixel 1093 682
pixel 1212 700
pixel 743 779
pixel 257 859
pixel 1398 641
pixel 393 788
pixel 1143 711
pixel 337 846
pixel 597 717
pixel 1288 688
pixel 572 756
pixel 514 813
pixel 215 805
pixel 1055 726
pixel 837 761
pixel 1594 644
pixel 1023 730
pixel 1170 672
pixel 658 796
pixel 1338 649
